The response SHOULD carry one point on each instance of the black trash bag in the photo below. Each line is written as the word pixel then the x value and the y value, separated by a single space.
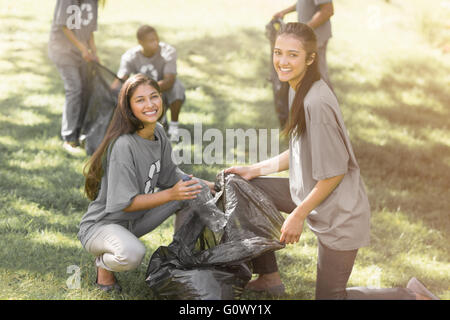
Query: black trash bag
pixel 205 205
pixel 280 89
pixel 174 272
pixel 201 264
pixel 101 102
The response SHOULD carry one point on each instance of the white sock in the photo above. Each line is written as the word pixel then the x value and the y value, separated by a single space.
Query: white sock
pixel 173 123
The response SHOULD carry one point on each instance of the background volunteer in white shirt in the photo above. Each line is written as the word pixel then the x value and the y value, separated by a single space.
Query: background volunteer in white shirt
pixel 70 47
pixel 157 60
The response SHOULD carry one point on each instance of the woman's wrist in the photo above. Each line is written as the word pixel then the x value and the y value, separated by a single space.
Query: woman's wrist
pixel 300 212
pixel 266 167
pixel 169 194
pixel 255 171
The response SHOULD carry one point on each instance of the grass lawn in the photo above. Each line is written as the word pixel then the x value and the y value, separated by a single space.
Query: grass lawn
pixel 390 70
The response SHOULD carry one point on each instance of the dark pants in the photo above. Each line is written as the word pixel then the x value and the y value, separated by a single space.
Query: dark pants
pixel 333 267
pixel 75 79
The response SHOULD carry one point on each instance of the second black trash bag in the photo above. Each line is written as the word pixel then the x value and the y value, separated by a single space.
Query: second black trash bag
pixel 215 265
pixel 101 103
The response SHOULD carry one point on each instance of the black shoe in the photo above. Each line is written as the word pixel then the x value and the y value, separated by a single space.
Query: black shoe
pixel 277 291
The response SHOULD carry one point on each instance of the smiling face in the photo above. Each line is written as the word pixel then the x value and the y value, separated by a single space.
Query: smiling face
pixel 146 104
pixel 290 59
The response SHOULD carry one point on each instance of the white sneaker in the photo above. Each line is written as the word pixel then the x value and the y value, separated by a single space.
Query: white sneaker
pixel 72 148
pixel 173 131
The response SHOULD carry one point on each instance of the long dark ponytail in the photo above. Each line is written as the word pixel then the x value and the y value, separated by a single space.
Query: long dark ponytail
pixel 296 123
pixel 122 122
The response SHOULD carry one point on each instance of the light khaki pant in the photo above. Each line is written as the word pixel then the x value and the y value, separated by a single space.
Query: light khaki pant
pixel 117 246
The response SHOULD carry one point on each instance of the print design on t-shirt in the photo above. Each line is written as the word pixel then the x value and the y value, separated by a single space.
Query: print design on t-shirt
pixel 75 19
pixel 150 71
pixel 154 168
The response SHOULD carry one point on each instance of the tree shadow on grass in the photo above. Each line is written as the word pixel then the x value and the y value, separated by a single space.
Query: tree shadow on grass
pixel 414 179
pixel 403 77
pixel 222 59
pixel 24 132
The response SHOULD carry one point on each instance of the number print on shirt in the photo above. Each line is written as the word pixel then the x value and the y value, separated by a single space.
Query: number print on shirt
pixel 154 168
pixel 75 19
pixel 150 71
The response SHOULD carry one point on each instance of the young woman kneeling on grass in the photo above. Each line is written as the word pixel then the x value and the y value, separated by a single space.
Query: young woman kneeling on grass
pixel 324 185
pixel 121 180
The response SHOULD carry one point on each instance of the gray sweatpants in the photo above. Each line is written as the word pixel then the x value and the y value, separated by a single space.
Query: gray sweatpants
pixel 177 92
pixel 333 267
pixel 75 79
pixel 116 245
pixel 323 66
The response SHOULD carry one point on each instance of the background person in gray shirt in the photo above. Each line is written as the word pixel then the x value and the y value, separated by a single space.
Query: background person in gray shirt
pixel 316 14
pixel 70 46
pixel 157 60
pixel 132 181
pixel 325 187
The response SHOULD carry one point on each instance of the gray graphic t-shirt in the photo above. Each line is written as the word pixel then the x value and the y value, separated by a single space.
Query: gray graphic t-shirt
pixel 342 220
pixel 80 16
pixel 163 62
pixel 306 10
pixel 134 166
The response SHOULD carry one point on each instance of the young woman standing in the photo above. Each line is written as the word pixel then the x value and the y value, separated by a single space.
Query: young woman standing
pixel 324 188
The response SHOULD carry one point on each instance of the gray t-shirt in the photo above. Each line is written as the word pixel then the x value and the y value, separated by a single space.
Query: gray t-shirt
pixel 78 16
pixel 134 166
pixel 306 10
pixel 342 220
pixel 162 62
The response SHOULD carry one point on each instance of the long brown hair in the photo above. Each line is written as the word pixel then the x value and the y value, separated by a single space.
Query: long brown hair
pixel 296 123
pixel 123 121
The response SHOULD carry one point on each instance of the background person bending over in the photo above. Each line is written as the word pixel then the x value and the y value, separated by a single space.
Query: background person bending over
pixel 70 46
pixel 157 60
